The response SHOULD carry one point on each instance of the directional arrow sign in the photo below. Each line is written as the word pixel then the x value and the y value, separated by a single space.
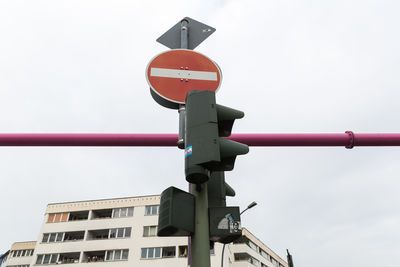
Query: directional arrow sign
pixel 174 73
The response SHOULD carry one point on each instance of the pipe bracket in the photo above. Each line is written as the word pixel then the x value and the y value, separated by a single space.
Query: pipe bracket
pixel 351 142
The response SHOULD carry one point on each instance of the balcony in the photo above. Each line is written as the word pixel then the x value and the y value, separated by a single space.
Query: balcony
pixel 78 215
pixel 98 234
pixel 65 258
pixel 74 236
pixel 94 256
pixel 101 214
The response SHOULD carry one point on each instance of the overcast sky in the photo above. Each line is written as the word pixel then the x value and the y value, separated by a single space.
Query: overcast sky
pixel 292 66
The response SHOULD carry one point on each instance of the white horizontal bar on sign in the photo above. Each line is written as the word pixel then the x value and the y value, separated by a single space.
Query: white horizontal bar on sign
pixel 184 74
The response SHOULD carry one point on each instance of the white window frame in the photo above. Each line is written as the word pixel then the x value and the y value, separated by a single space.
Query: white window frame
pixel 161 250
pixel 113 253
pixel 149 228
pixel 126 212
pixel 50 259
pixel 55 240
pixel 151 210
pixel 117 231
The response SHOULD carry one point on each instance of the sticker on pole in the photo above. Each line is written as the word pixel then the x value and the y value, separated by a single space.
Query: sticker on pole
pixel 174 73
pixel 188 151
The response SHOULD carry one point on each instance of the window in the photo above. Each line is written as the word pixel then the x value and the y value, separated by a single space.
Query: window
pixel 122 212
pixel 130 212
pixel 52 237
pixel 255 262
pixel 151 210
pixel 128 231
pixel 22 253
pixel 120 232
pixel 61 237
pixel 148 253
pixel 212 251
pixel 150 230
pixel 168 252
pixel 265 255
pixel 57 217
pixel 113 233
pixel 51 218
pixel 248 258
pixel 39 259
pixel 45 238
pixel 274 262
pixel 47 259
pixel 252 245
pixel 116 255
pixel 153 253
pixel 125 254
pixel 183 251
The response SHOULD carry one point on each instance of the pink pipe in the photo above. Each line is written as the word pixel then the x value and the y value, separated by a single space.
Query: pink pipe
pixel 347 139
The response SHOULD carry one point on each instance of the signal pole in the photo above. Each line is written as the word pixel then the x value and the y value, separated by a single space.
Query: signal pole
pixel 200 241
pixel 199 244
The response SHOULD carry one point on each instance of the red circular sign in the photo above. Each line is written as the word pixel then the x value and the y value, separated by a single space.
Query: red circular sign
pixel 174 73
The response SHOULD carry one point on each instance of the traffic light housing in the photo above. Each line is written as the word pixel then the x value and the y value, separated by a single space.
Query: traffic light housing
pixel 218 190
pixel 224 222
pixel 176 216
pixel 206 124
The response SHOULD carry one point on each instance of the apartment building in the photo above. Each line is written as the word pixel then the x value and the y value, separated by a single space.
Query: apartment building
pixel 123 232
pixel 21 254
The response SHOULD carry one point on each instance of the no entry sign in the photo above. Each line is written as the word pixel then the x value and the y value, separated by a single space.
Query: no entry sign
pixel 174 73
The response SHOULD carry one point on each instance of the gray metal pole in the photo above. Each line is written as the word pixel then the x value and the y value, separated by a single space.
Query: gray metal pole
pixel 200 241
pixel 222 255
pixel 184 34
pixel 199 245
pixel 181 110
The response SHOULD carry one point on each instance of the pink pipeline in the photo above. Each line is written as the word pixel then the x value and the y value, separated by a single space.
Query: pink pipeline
pixel 347 139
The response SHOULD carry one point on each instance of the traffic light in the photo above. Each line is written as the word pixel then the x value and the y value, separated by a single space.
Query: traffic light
pixel 206 124
pixel 218 189
pixel 224 222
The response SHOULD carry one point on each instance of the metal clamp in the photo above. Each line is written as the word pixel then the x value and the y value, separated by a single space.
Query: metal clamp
pixel 352 139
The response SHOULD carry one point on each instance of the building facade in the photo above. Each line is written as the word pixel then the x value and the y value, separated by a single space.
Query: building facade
pixel 123 232
pixel 21 254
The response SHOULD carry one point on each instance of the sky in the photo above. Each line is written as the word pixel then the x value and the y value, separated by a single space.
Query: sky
pixel 292 66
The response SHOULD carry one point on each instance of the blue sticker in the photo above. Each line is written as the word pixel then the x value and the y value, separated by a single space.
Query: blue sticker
pixel 188 151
